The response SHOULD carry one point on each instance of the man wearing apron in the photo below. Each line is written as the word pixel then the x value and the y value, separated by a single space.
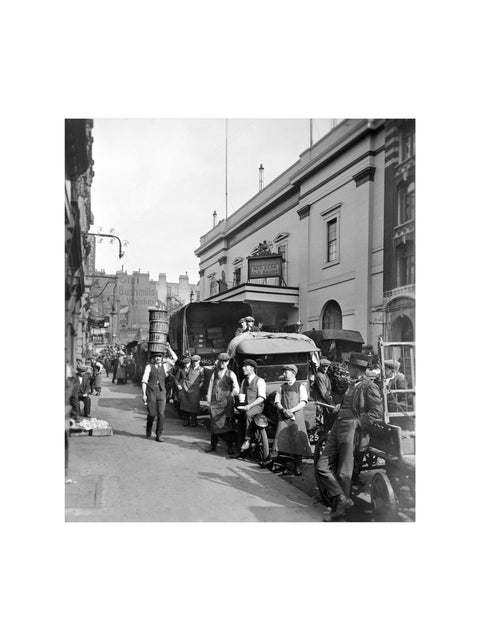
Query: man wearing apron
pixel 222 388
pixel 291 437
pixel 189 384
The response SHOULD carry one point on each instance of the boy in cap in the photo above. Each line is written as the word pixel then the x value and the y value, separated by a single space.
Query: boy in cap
pixel 291 436
pixel 251 327
pixel 255 390
pixel 222 388
pixel 395 380
pixel 189 385
pixel 361 407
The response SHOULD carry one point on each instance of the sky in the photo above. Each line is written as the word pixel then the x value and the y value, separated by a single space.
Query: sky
pixel 158 181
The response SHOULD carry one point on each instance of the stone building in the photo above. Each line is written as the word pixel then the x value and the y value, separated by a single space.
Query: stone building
pixel 125 299
pixel 78 245
pixel 307 251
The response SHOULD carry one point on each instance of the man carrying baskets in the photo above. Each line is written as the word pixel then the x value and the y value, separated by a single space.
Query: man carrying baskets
pixel 155 390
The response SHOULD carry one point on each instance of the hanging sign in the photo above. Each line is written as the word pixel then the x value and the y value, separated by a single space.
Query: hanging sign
pixel 265 266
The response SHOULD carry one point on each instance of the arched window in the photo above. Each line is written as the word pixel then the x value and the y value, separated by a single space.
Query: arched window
pixel 332 316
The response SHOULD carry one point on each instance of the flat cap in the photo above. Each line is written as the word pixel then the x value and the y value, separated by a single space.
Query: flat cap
pixel 81 368
pixel 250 361
pixel 196 358
pixel 292 368
pixel 223 357
pixel 325 361
pixel 249 319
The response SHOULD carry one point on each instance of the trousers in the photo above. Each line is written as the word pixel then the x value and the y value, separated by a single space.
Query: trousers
pixel 334 469
pixel 156 403
pixel 75 403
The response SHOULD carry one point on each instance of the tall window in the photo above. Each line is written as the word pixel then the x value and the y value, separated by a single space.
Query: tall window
pixel 237 276
pixel 332 252
pixel 406 203
pixel 282 250
pixel 332 316
pixel 407 144
pixel 406 264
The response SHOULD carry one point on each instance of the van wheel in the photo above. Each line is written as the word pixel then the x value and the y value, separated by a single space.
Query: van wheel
pixel 262 449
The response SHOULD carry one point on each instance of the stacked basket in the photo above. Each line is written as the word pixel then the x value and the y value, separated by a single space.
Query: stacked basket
pixel 158 330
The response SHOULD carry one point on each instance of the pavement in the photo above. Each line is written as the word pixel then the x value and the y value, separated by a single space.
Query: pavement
pixel 127 477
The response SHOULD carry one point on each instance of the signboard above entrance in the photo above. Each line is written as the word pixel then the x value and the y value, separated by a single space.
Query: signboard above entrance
pixel 269 266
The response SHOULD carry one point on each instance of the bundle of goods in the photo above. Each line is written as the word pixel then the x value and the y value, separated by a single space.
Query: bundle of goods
pixel 91 427
pixel 339 377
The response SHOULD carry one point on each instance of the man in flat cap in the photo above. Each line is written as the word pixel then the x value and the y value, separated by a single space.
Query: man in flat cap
pixel 291 436
pixel 251 327
pixel 154 390
pixel 395 380
pixel 242 327
pixel 254 389
pixel 361 407
pixel 189 385
pixel 222 388
pixel 322 393
pixel 81 392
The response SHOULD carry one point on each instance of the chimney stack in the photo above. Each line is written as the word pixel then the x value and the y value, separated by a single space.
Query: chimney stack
pixel 214 217
pixel 260 177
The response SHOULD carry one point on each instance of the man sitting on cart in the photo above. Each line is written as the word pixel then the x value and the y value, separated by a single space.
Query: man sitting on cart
pixel 395 380
pixel 361 407
pixel 255 390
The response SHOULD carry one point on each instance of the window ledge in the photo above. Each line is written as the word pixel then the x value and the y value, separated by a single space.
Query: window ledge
pixel 331 263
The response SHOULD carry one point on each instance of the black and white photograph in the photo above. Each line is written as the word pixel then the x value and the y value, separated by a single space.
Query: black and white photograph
pixel 240 319
pixel 239 269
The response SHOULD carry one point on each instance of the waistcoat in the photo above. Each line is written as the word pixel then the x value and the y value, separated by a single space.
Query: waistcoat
pixel 157 377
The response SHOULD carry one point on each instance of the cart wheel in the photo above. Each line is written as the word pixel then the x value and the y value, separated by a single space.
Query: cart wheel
pixel 384 503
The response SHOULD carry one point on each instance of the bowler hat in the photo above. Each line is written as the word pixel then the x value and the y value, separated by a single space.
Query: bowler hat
pixel 292 368
pixel 359 360
pixel 260 420
pixel 250 361
pixel 223 357
pixel 325 361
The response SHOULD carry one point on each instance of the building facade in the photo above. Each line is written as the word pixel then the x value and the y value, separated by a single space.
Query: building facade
pixel 324 218
pixel 122 300
pixel 399 230
pixel 78 245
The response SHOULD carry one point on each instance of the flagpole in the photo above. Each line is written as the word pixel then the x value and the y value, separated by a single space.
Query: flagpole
pixel 226 168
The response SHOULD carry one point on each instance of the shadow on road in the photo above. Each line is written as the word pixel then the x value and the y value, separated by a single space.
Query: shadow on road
pixel 252 482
